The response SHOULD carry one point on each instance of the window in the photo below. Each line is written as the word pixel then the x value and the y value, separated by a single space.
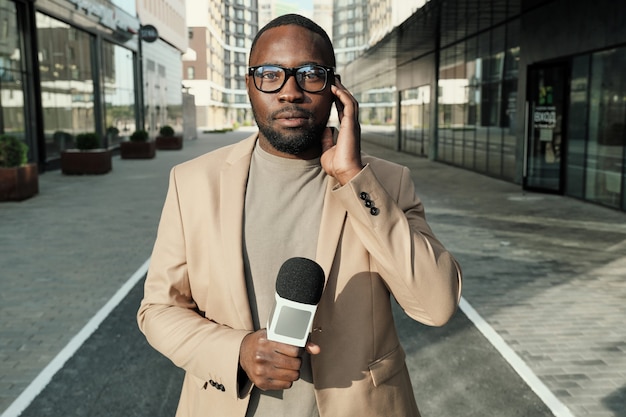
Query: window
pixel 119 90
pixel 605 147
pixel 67 80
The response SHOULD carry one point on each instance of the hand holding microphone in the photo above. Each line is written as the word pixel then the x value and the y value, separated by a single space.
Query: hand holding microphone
pixel 271 358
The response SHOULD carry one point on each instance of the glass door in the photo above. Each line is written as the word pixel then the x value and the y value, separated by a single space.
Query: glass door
pixel 547 92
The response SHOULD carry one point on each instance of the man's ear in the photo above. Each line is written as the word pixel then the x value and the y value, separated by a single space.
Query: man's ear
pixel 247 78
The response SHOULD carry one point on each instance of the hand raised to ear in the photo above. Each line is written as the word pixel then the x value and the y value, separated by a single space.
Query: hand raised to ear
pixel 342 160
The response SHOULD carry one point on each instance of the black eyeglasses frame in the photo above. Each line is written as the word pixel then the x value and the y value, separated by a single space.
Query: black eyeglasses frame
pixel 330 75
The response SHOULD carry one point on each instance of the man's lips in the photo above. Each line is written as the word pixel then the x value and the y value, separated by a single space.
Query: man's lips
pixel 292 118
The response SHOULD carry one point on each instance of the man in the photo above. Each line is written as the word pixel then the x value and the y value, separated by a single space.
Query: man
pixel 233 216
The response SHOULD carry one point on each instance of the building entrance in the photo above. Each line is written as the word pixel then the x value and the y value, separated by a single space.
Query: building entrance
pixel 545 137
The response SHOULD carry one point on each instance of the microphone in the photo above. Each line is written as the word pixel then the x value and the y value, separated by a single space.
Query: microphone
pixel 299 287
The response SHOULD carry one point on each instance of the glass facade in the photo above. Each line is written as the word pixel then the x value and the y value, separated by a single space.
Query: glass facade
pixel 576 127
pixel 477 100
pixel 415 120
pixel 67 83
pixel 378 106
pixel 63 76
pixel 596 129
pixel 378 113
pixel 163 97
pixel 118 92
pixel 605 149
pixel 12 73
pixel 480 88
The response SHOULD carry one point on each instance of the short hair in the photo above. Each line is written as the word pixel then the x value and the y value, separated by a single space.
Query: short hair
pixel 298 20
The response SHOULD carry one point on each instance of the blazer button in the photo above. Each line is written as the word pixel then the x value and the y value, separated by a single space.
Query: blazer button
pixel 364 195
pixel 369 203
pixel 374 211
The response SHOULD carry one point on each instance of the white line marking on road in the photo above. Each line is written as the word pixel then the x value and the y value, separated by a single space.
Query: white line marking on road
pixel 543 392
pixel 617 247
pixel 45 376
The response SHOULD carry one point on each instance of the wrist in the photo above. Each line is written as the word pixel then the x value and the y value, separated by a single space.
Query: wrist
pixel 346 176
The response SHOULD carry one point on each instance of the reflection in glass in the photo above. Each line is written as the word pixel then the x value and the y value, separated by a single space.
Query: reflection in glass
pixel 415 120
pixel 577 127
pixel 477 102
pixel 377 111
pixel 162 95
pixel 12 120
pixel 605 149
pixel 66 83
pixel 119 92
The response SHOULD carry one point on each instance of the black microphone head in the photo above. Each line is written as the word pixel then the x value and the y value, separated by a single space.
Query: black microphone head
pixel 300 280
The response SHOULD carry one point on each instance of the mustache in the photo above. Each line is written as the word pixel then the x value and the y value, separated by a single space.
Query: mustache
pixel 291 109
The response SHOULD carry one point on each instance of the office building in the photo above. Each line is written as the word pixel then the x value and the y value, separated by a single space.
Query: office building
pixel 162 71
pixel 357 25
pixel 214 68
pixel 70 67
pixel 529 91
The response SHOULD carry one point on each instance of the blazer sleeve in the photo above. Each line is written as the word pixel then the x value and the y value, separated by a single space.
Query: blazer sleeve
pixel 168 315
pixel 389 219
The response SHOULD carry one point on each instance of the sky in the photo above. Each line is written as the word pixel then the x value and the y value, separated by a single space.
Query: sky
pixel 300 4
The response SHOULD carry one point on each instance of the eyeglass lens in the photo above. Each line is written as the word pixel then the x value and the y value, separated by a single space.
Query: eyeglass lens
pixel 310 78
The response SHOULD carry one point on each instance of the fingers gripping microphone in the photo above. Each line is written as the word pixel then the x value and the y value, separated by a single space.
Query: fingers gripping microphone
pixel 299 287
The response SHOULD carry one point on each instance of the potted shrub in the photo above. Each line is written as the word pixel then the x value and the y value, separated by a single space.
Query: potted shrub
pixel 87 158
pixel 62 140
pixel 19 179
pixel 167 139
pixel 138 147
pixel 113 136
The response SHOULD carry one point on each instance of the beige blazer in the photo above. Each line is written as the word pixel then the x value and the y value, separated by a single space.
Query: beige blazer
pixel 195 309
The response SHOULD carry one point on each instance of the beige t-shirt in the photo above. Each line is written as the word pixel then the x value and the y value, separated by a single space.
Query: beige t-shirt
pixel 283 209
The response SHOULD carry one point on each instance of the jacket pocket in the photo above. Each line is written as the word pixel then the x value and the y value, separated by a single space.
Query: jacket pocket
pixel 387 366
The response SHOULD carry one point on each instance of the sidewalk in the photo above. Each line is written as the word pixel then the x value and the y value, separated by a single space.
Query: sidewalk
pixel 546 272
pixel 65 252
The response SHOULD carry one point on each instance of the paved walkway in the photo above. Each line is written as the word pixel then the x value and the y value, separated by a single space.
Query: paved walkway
pixel 547 273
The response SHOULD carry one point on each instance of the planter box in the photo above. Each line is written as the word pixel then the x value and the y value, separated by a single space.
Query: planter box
pixel 20 183
pixel 138 150
pixel 169 142
pixel 90 162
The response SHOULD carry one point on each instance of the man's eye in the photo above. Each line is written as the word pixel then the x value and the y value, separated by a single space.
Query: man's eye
pixel 270 75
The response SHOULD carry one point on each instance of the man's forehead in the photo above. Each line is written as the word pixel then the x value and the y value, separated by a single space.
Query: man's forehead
pixel 266 43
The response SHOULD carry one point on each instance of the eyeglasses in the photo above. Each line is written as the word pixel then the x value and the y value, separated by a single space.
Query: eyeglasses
pixel 271 78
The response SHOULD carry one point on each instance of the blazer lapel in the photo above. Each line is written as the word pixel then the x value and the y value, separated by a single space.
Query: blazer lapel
pixel 331 227
pixel 233 180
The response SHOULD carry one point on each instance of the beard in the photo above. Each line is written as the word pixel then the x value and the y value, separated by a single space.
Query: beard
pixel 295 141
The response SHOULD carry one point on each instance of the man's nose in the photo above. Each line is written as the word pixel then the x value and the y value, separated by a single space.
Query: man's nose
pixel 291 91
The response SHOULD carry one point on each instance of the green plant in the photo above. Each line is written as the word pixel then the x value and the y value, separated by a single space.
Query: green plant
pixel 88 140
pixel 13 152
pixel 166 130
pixel 139 136
pixel 61 136
pixel 112 131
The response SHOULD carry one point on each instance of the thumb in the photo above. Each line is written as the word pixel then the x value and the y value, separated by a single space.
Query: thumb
pixel 312 348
